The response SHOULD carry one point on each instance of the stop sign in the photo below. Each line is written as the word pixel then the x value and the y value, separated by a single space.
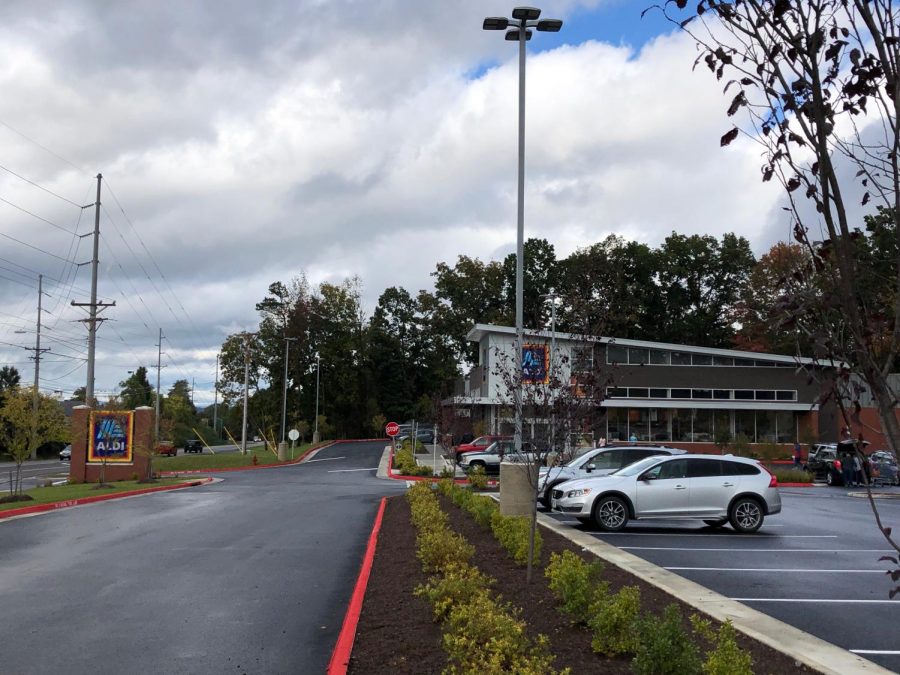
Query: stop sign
pixel 392 429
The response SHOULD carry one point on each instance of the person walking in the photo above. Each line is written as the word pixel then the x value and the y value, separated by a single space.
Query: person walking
pixel 847 470
pixel 857 470
pixel 798 455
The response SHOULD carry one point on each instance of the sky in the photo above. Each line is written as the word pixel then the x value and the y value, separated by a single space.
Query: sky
pixel 242 144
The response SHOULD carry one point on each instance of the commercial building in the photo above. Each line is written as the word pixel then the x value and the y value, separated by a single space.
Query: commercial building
pixel 648 391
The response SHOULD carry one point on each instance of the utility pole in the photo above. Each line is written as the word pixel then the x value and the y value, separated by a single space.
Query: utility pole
pixel 159 367
pixel 192 390
pixel 246 391
pixel 287 344
pixel 93 305
pixel 35 402
pixel 216 400
pixel 316 423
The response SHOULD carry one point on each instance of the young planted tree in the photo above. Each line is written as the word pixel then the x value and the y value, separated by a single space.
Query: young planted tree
pixel 21 432
pixel 816 85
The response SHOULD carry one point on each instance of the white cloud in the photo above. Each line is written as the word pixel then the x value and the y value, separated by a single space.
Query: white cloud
pixel 335 139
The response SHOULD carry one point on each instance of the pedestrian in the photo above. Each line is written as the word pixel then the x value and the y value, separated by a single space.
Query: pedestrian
pixel 857 470
pixel 797 455
pixel 633 437
pixel 847 470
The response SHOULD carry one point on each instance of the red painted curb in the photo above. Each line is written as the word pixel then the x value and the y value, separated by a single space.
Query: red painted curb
pixel 340 657
pixel 38 508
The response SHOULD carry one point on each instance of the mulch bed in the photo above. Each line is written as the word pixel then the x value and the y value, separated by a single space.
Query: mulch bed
pixel 396 632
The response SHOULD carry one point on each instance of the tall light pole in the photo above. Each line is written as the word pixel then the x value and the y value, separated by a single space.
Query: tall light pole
pixel 316 422
pixel 287 344
pixel 552 296
pixel 520 25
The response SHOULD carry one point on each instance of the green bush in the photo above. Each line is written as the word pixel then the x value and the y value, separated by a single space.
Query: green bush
pixel 665 647
pixel 440 547
pixel 484 637
pixel 513 533
pixel 792 475
pixel 614 622
pixel 575 583
pixel 478 478
pixel 405 463
pixel 482 509
pixel 458 584
pixel 726 658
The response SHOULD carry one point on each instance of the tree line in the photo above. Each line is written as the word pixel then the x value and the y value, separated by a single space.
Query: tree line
pixel 398 362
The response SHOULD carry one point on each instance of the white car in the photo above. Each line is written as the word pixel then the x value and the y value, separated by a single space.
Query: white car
pixel 596 462
pixel 489 459
pixel 710 488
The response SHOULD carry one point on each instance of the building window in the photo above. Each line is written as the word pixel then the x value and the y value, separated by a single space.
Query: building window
pixel 784 395
pixel 701 393
pixel 721 423
pixel 681 393
pixel 681 358
pixel 660 431
pixel 659 393
pixel 616 424
pixel 745 425
pixel 765 395
pixel 722 394
pixel 638 392
pixel 702 360
pixel 616 354
pixel 583 359
pixel 703 426
pixel 639 424
pixel 659 357
pixel 743 362
pixel 743 395
pixel 723 361
pixel 638 356
pixel 617 392
pixel 681 424
pixel 785 426
pixel 765 426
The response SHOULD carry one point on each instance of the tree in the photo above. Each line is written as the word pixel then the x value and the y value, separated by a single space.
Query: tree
pixel 9 380
pixel 136 390
pixel 21 432
pixel 818 85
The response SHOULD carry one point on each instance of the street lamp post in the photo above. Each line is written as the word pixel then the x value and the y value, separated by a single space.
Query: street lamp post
pixel 316 421
pixel 287 343
pixel 520 25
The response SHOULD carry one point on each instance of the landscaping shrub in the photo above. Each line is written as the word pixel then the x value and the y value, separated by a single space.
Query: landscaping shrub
pixel 614 622
pixel 458 584
pixel 791 475
pixel 405 463
pixel 478 478
pixel 482 509
pixel 726 658
pixel 441 547
pixel 490 639
pixel 576 583
pixel 665 647
pixel 513 532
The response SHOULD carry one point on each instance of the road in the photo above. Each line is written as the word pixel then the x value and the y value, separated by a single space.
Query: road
pixel 814 566
pixel 249 575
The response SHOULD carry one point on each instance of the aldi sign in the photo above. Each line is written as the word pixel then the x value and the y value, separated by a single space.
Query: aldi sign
pixel 535 364
pixel 111 437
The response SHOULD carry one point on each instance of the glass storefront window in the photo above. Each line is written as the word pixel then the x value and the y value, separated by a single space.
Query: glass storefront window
pixel 786 426
pixel 703 426
pixel 721 421
pixel 660 425
pixel 745 425
pixel 765 426
pixel 616 425
pixel 681 424
pixel 639 424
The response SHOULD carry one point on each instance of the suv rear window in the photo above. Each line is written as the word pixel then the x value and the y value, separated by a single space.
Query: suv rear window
pixel 701 468
pixel 739 469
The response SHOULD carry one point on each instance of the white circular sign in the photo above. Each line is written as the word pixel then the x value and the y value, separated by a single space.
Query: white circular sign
pixel 293 434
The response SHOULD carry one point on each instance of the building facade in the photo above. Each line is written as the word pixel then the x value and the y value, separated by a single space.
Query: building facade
pixel 694 397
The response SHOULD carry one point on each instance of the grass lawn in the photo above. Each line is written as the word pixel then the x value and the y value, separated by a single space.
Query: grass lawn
pixel 222 460
pixel 61 493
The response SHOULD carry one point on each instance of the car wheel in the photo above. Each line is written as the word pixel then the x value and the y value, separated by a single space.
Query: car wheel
pixel 548 493
pixel 716 523
pixel 746 515
pixel 477 463
pixel 611 514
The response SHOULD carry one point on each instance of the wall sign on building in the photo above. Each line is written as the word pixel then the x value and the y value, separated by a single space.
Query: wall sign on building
pixel 535 364
pixel 111 436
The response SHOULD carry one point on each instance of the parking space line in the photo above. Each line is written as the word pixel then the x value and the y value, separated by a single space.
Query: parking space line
pixel 707 534
pixel 820 600
pixel 349 470
pixel 887 652
pixel 804 570
pixel 323 459
pixel 760 550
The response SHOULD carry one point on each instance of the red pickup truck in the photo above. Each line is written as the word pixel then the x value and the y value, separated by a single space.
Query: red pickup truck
pixel 166 448
pixel 478 445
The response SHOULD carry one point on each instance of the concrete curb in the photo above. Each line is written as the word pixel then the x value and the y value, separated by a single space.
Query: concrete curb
pixel 793 642
pixel 53 506
pixel 340 657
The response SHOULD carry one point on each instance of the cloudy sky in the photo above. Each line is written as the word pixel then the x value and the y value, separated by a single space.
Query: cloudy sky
pixel 246 143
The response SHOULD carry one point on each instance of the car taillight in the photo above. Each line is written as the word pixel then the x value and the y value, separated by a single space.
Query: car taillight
pixel 773 481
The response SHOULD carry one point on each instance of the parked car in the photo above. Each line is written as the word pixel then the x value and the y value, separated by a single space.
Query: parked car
pixel 826 460
pixel 884 468
pixel 495 453
pixel 596 462
pixel 713 489
pixel 193 446
pixel 480 444
pixel 166 448
pixel 65 454
pixel 423 435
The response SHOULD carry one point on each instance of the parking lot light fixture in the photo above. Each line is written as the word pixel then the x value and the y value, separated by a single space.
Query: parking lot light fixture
pixel 523 19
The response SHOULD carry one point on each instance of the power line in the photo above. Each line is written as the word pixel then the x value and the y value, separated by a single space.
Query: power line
pixel 34 215
pixel 39 187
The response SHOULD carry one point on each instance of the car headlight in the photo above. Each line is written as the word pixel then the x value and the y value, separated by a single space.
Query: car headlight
pixel 578 493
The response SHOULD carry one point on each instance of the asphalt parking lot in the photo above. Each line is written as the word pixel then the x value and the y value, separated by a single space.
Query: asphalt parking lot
pixel 814 566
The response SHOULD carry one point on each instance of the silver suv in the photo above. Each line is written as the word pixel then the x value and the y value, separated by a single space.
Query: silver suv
pixel 596 462
pixel 710 488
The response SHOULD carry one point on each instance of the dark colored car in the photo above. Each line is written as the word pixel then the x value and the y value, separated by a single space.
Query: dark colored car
pixel 193 446
pixel 828 459
pixel 884 469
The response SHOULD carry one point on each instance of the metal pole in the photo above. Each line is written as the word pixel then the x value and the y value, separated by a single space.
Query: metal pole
pixel 192 390
pixel 246 389
pixel 520 247
pixel 35 402
pixel 92 322
pixel 216 400
pixel 287 344
pixel 316 422
pixel 158 368
pixel 553 296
